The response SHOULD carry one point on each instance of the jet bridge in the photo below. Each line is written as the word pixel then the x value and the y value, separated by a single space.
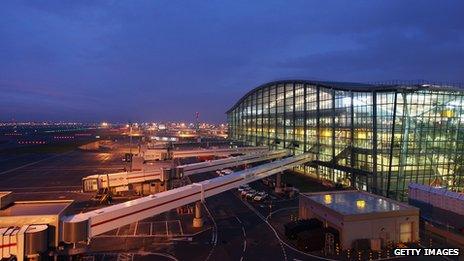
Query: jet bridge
pixel 121 181
pixel 221 152
pixel 164 154
pixel 82 227
pixel 201 167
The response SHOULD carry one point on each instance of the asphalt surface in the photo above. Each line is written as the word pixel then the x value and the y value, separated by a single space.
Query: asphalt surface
pixel 235 228
pixel 54 170
pixel 242 232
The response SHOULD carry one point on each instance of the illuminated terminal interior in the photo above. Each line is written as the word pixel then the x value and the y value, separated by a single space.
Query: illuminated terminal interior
pixel 376 138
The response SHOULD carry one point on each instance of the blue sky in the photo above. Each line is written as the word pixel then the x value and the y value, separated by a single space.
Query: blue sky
pixel 165 60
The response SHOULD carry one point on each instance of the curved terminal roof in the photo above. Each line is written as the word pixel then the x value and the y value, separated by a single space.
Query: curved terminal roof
pixel 356 87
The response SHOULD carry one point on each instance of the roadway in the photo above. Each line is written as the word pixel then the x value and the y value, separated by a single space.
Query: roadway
pixel 242 232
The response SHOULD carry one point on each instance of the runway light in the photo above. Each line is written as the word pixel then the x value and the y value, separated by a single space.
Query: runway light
pixel 327 199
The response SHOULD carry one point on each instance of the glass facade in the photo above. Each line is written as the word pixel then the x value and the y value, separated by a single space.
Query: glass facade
pixel 377 138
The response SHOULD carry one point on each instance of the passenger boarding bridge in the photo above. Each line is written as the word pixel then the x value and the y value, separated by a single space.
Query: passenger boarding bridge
pixel 84 226
pixel 206 166
pixel 163 154
pixel 120 182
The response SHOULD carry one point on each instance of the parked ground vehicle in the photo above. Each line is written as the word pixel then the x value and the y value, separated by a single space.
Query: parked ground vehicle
pixel 223 172
pixel 244 187
pixel 246 191
pixel 227 171
pixel 260 196
pixel 251 194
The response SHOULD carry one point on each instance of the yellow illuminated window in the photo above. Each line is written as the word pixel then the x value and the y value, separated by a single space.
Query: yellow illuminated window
pixel 328 199
pixel 447 113
pixel 406 232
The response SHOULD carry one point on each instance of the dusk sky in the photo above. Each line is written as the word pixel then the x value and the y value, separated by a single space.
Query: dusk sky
pixel 165 60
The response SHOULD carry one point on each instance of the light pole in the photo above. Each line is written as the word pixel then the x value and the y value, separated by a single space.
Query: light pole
pixel 130 146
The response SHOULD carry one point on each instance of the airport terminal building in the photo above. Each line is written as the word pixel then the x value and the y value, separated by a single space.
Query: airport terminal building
pixel 376 138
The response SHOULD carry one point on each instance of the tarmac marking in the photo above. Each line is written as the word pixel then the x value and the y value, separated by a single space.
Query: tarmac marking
pixel 244 235
pixel 215 231
pixel 143 228
pixel 14 158
pixel 284 252
pixel 158 228
pixel 164 203
pixel 282 242
pixel 279 210
pixel 33 163
pixel 47 192
pixel 136 226
pixel 174 227
pixel 180 226
pixel 167 229
pixel 74 169
pixel 50 187
pixel 136 236
pixel 151 255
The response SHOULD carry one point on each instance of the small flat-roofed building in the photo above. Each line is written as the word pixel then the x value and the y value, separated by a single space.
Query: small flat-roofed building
pixel 361 215
pixel 6 198
pixel 48 213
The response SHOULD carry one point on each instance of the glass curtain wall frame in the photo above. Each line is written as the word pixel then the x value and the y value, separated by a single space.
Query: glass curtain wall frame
pixel 378 141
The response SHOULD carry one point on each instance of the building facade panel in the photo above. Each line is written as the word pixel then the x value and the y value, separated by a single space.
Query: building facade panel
pixel 371 137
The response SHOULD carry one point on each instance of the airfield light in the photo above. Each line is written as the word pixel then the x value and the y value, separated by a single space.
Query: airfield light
pixel 327 199
pixel 360 203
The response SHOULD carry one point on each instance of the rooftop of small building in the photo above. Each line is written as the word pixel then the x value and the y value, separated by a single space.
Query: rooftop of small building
pixel 34 208
pixel 4 193
pixel 353 202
